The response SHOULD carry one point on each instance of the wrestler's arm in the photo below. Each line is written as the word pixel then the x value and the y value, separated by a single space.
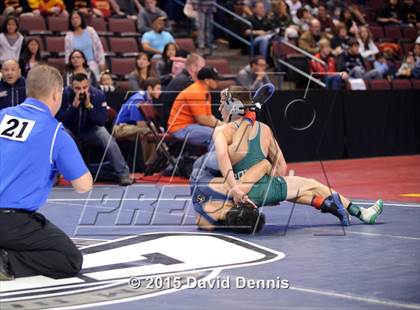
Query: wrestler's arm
pixel 275 155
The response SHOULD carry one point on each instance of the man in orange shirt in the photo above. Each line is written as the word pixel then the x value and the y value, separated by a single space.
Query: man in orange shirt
pixel 191 117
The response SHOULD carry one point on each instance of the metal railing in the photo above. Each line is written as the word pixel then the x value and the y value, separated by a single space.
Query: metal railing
pixel 297 70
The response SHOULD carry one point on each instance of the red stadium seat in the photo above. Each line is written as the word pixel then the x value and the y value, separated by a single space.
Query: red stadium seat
pixel 393 32
pixel 281 50
pixel 124 27
pixel 377 32
pixel 221 65
pixel 407 47
pixel 401 84
pixel 33 25
pixel 376 4
pixel 416 84
pixel 409 33
pixel 58 63
pixel 379 85
pixel 99 24
pixel 58 24
pixel 186 44
pixel 122 66
pixel 124 46
pixel 55 45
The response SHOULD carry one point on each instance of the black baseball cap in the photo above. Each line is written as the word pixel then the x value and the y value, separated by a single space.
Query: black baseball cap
pixel 208 73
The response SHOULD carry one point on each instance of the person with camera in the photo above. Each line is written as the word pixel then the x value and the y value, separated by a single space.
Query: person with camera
pixel 83 113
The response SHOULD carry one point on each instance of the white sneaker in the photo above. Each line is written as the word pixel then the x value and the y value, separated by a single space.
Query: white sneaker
pixel 369 215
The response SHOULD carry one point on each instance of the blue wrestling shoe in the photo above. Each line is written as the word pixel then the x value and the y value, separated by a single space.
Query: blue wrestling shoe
pixel 332 204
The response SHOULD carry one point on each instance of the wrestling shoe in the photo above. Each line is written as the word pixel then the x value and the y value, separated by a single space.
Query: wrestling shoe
pixel 5 274
pixel 332 204
pixel 369 215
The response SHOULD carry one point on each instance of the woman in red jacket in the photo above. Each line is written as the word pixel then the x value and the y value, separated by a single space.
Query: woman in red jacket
pixel 327 72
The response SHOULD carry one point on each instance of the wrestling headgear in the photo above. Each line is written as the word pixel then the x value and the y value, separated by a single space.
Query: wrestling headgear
pixel 244 219
pixel 232 106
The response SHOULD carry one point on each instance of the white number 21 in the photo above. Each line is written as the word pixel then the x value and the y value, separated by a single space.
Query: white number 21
pixel 15 128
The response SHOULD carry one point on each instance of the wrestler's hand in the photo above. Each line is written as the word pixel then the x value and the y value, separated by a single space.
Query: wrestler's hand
pixel 238 195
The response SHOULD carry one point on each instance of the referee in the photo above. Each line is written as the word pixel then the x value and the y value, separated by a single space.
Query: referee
pixel 33 148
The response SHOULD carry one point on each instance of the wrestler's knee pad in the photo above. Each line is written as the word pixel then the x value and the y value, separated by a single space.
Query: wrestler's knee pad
pixel 244 219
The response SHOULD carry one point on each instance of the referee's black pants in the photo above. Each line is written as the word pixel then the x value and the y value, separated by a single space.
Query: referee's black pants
pixel 37 247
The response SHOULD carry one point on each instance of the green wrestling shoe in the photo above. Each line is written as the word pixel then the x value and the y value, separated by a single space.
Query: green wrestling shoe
pixel 369 215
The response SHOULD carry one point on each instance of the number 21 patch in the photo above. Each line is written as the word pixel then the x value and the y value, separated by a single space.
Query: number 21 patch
pixel 15 128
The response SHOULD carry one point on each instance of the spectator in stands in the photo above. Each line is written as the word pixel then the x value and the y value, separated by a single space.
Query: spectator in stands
pixel 105 8
pixel 304 19
pixel 205 13
pixel 48 8
pixel 106 83
pixel 155 40
pixel 352 62
pixel 368 48
pixel 313 7
pixel 262 28
pixel 15 7
pixel 409 14
pixel 309 39
pixel 130 123
pixel 84 38
pixel 144 70
pixel 407 67
pixel 148 14
pixel 294 6
pixel 84 112
pixel 249 4
pixel 11 40
pixel 164 65
pixel 254 75
pixel 333 81
pixel 12 85
pixel 30 56
pixel 347 19
pixel 340 42
pixel 181 81
pixel 191 115
pixel 327 24
pixel 83 6
pixel 390 14
pixel 280 16
pixel 336 7
pixel 130 7
pixel 77 63
pixel 381 65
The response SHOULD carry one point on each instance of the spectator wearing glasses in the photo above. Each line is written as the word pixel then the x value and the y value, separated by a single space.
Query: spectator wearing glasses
pixel 254 75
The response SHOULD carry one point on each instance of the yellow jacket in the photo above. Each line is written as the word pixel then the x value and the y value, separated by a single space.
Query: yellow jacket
pixel 46 5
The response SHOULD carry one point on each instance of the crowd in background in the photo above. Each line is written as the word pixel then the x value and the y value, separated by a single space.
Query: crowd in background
pixel 335 32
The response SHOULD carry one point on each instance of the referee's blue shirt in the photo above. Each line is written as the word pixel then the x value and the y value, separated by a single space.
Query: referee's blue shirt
pixel 33 147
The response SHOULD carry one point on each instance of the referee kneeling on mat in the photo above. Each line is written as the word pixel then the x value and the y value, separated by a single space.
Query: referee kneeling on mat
pixel 33 148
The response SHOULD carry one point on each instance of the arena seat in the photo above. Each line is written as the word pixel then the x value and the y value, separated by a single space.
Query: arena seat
pixel 100 26
pixel 122 66
pixel 401 84
pixel 55 45
pixel 407 47
pixel 282 50
pixel 376 4
pixel 186 44
pixel 33 25
pixel 393 32
pixel 409 33
pixel 377 32
pixel 59 25
pixel 379 85
pixel 124 27
pixel 58 63
pixel 223 67
pixel 416 84
pixel 125 47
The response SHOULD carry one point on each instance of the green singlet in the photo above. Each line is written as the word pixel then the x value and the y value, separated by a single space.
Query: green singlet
pixel 268 190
